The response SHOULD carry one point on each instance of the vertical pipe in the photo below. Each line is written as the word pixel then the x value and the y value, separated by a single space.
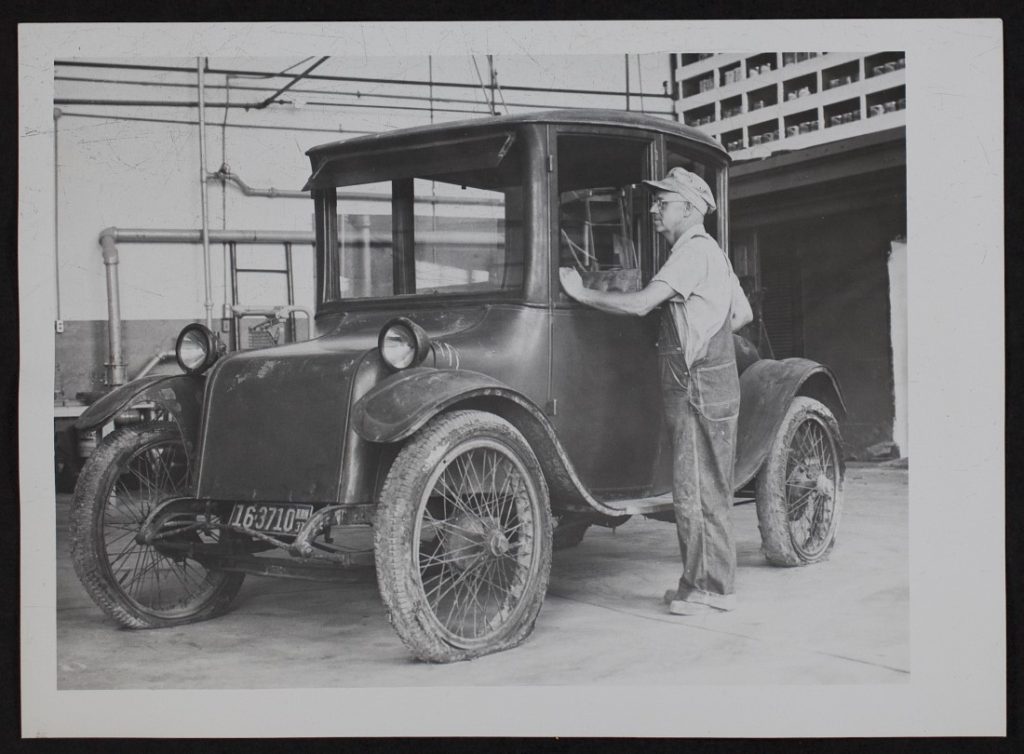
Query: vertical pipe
pixel 673 64
pixel 236 321
pixel 56 208
pixel 627 81
pixel 291 290
pixel 115 364
pixel 208 303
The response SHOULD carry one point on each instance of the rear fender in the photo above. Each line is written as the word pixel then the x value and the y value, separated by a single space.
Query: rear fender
pixel 766 388
pixel 394 410
pixel 179 395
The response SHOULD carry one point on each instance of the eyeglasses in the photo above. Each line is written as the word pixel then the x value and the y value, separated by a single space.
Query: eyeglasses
pixel 660 203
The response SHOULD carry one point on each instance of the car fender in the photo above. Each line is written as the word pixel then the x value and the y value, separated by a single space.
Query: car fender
pixel 180 395
pixel 767 387
pixel 395 409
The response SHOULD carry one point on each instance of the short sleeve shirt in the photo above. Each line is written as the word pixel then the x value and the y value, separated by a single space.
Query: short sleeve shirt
pixel 699 272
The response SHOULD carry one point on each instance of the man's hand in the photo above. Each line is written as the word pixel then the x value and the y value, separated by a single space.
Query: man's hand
pixel 572 283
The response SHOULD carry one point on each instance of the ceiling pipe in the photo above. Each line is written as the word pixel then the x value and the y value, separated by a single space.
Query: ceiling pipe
pixel 289 85
pixel 357 94
pixel 323 77
pixel 173 121
pixel 225 175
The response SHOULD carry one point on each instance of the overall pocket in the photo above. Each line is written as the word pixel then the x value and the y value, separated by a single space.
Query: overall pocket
pixel 674 377
pixel 715 391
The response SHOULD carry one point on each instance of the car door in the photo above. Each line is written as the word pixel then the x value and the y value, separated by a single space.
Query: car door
pixel 604 375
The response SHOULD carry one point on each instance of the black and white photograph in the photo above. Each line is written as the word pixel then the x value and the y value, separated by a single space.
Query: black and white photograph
pixel 571 368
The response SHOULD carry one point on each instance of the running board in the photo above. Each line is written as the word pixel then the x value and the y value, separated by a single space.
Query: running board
pixel 660 504
pixel 641 505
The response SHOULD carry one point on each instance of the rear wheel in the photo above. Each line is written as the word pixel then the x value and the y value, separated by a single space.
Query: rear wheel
pixel 463 538
pixel 800 488
pixel 137 584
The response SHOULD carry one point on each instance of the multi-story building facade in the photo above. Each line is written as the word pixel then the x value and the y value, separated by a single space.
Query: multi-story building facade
pixel 759 103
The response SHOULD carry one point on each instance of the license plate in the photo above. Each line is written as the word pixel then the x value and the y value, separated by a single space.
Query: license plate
pixel 271 518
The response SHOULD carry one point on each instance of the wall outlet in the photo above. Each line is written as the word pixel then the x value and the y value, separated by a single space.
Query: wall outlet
pixel 59 325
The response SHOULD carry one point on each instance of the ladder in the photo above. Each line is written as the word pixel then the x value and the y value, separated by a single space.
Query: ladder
pixel 261 333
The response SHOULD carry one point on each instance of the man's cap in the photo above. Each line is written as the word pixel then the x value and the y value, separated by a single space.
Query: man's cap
pixel 690 186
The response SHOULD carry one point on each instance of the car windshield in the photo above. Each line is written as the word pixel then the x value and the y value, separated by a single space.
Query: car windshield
pixel 425 232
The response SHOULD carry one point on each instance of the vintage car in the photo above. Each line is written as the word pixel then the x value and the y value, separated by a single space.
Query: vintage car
pixel 455 414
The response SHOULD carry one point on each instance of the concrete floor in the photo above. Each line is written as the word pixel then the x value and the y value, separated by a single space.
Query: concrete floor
pixel 842 621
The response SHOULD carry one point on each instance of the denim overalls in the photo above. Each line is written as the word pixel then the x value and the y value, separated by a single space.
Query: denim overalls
pixel 701 406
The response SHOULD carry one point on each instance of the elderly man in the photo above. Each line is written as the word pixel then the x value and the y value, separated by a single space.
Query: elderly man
pixel 699 382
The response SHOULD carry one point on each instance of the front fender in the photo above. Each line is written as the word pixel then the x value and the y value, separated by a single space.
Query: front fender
pixel 766 389
pixel 396 408
pixel 180 395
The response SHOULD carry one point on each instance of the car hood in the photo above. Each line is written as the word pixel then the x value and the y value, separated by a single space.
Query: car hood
pixel 276 420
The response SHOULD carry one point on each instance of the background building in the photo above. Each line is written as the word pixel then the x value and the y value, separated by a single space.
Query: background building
pixel 818 212
pixel 759 103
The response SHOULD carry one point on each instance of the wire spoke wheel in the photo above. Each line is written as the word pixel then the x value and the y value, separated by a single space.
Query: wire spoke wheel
pixel 799 490
pixel 811 488
pixel 475 547
pixel 463 538
pixel 139 584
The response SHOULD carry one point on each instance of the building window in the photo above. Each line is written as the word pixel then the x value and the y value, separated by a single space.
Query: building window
pixel 840 113
pixel 733 140
pixel 766 96
pixel 886 101
pixel 763 133
pixel 759 65
pixel 700 116
pixel 801 123
pixel 802 86
pixel 698 84
pixel 840 75
pixel 732 106
pixel 882 63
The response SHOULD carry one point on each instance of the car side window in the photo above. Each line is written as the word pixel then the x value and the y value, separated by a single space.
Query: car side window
pixel 601 218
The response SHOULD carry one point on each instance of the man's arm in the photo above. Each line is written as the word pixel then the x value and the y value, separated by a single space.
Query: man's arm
pixel 638 304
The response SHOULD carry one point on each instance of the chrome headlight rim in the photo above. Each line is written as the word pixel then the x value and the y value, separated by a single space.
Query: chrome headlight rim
pixel 207 341
pixel 415 336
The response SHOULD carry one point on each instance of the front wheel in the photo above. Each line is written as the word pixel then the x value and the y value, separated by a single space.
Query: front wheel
pixel 800 487
pixel 137 584
pixel 463 538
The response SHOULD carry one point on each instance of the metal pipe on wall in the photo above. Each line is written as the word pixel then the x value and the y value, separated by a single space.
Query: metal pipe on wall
pixel 207 282
pixel 115 353
pixel 225 174
pixel 56 217
pixel 109 237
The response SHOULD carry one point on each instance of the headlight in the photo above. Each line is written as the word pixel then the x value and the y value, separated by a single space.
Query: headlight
pixel 197 348
pixel 402 343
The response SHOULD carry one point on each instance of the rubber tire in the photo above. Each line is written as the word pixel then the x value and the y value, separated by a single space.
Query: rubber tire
pixel 398 508
pixel 88 552
pixel 772 515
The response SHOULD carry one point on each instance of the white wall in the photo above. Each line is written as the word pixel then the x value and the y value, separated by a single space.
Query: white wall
pixel 898 335
pixel 118 172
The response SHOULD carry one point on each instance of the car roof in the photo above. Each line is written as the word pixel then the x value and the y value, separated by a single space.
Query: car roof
pixel 595 117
